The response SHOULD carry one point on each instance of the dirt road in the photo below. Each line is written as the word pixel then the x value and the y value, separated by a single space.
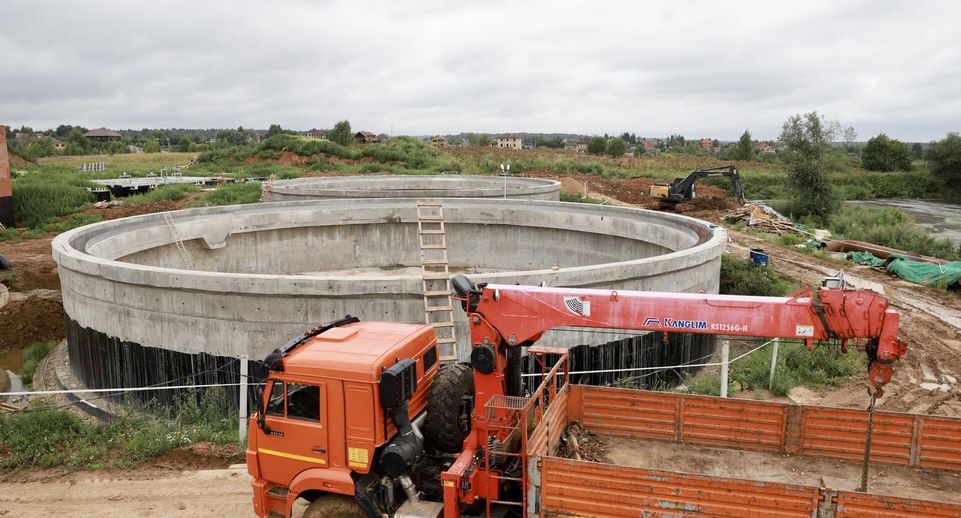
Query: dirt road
pixel 926 380
pixel 156 493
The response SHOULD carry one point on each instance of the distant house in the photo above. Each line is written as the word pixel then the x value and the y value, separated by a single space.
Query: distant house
pixel 764 147
pixel 508 142
pixel 27 138
pixel 102 135
pixel 320 134
pixel 382 137
pixel 577 146
pixel 650 146
pixel 365 137
pixel 439 141
pixel 707 144
pixel 57 143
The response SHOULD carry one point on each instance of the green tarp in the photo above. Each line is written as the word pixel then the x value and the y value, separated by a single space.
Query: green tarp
pixel 865 258
pixel 927 274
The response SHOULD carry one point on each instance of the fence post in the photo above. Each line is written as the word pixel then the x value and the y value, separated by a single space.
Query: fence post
pixel 770 383
pixel 725 361
pixel 242 431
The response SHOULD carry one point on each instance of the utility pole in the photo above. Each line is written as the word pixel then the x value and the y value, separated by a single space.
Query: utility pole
pixel 505 172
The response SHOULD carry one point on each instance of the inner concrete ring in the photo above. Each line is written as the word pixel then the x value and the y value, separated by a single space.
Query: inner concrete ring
pixel 413 186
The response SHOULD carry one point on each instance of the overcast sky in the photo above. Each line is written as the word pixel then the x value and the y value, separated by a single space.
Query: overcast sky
pixel 701 69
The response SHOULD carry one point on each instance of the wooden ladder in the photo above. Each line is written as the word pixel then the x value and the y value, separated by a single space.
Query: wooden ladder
pixel 265 188
pixel 438 310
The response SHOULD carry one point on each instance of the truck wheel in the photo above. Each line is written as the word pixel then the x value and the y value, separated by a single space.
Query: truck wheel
pixel 450 404
pixel 334 506
pixel 4 263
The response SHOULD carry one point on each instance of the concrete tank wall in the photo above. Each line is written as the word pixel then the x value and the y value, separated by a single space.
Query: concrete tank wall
pixel 124 284
pixel 414 186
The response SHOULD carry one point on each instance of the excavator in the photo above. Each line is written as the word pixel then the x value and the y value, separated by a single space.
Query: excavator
pixel 683 189
pixel 360 419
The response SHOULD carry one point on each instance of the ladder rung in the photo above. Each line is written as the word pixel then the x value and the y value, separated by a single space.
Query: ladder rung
pixel 430 217
pixel 432 309
pixel 442 324
pixel 446 340
pixel 436 276
pixel 434 247
pixel 438 293
pixel 431 232
pixel 434 262
pixel 425 203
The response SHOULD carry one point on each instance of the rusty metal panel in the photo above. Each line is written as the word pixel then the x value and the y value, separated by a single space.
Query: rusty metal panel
pixel 581 488
pixel 861 505
pixel 840 433
pixel 939 443
pixel 631 413
pixel 751 425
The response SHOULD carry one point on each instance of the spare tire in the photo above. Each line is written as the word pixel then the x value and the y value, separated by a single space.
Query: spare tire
pixel 450 404
pixel 4 263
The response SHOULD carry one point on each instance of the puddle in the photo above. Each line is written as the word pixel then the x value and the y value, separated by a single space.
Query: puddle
pixel 12 360
pixel 941 220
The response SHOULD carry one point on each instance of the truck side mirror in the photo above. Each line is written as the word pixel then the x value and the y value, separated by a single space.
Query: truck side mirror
pixel 261 407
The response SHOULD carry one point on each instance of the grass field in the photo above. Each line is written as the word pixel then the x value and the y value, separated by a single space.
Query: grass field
pixel 116 164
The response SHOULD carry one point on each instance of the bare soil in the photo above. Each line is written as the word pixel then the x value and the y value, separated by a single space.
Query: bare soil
pixel 790 469
pixel 35 316
pixel 31 263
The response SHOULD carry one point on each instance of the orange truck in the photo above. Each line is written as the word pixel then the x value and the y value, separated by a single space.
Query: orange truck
pixel 359 419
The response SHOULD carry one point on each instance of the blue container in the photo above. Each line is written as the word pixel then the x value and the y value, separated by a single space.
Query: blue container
pixel 758 257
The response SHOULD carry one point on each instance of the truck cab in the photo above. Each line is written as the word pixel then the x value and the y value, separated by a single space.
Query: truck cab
pixel 324 422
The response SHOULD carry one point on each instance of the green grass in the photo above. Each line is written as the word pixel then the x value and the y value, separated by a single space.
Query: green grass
pixel 824 366
pixel 739 277
pixel 889 227
pixel 47 438
pixel 163 193
pixel 232 194
pixel 39 199
pixel 31 358
pixel 133 163
pixel 579 198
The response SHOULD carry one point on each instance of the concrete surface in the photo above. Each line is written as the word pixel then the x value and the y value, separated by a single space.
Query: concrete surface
pixel 413 186
pixel 125 279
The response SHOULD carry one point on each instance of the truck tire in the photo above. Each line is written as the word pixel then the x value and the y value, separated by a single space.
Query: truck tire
pixel 450 403
pixel 4 263
pixel 334 506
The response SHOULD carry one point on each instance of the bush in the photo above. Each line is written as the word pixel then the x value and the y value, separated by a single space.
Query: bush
pixel 578 198
pixel 162 193
pixel 615 148
pixel 944 157
pixel 596 145
pixel 884 154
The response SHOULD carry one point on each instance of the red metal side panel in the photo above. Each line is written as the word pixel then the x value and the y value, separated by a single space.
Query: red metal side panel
pixel 543 440
pixel 632 413
pixel 839 433
pixel 858 505
pixel 732 423
pixel 570 487
pixel 939 443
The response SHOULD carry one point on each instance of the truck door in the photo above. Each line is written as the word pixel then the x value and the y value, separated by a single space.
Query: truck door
pixel 296 414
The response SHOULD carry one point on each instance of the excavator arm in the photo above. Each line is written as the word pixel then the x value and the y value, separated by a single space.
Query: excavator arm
pixel 683 188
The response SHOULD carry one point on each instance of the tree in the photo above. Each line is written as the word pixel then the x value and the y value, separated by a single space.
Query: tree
pixel 341 134
pixel 274 129
pixel 151 146
pixel 77 144
pixel 944 158
pixel 807 139
pixel 615 147
pixel 744 149
pixel 183 144
pixel 884 154
pixel 597 145
pixel 917 150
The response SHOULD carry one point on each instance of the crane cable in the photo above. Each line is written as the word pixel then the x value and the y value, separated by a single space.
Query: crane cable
pixel 867 444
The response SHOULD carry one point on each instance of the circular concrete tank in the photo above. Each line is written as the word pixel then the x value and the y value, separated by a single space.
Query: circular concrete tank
pixel 261 274
pixel 412 186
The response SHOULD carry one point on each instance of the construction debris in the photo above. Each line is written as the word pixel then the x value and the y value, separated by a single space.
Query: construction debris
pixel 762 217
pixel 580 444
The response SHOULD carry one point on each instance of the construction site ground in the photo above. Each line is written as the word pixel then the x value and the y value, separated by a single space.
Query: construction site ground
pixel 925 381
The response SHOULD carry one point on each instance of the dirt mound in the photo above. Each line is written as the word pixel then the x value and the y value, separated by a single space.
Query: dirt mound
pixel 31 264
pixel 34 318
pixel 202 455
pixel 18 161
